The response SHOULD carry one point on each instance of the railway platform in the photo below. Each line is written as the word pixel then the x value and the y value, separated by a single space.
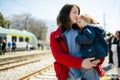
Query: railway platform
pixel 110 71
pixel 21 53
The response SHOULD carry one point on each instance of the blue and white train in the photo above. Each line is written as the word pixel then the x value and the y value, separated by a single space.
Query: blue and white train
pixel 21 38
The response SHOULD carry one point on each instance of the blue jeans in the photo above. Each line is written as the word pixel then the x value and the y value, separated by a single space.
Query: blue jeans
pixel 87 74
pixel 90 74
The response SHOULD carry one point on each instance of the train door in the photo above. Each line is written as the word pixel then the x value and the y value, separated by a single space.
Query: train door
pixel 2 37
pixel 0 45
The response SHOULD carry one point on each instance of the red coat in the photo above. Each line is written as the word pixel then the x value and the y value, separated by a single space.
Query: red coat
pixel 61 54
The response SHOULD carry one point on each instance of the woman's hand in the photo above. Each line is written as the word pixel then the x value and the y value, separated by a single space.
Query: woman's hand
pixel 87 64
pixel 96 62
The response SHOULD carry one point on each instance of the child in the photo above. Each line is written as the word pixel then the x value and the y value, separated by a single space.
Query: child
pixel 91 39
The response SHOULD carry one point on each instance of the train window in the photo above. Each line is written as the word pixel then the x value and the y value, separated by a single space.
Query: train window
pixel 14 38
pixel 4 38
pixel 20 39
pixel 26 39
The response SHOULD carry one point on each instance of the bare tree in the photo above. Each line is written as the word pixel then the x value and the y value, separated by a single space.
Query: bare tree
pixel 28 23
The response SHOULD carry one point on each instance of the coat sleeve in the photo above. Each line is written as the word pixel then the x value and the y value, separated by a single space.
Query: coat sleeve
pixel 61 56
pixel 87 37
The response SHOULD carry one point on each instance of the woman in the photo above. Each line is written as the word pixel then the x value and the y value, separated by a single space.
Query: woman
pixel 115 47
pixel 63 46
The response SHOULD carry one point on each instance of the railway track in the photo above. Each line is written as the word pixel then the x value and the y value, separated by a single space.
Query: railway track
pixel 19 67
pixel 46 73
pixel 13 64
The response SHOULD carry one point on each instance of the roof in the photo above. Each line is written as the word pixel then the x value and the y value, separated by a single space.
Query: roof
pixel 14 31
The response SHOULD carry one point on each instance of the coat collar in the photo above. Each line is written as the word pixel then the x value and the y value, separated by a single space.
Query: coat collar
pixel 58 32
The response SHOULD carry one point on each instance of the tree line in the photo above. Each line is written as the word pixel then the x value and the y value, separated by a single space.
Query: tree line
pixel 26 22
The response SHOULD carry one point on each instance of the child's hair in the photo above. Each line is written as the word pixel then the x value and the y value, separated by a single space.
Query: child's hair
pixel 87 18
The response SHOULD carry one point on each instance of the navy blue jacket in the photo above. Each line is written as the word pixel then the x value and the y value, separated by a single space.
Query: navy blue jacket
pixel 92 42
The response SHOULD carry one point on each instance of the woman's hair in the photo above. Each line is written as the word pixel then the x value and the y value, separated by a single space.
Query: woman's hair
pixel 87 18
pixel 63 19
pixel 119 34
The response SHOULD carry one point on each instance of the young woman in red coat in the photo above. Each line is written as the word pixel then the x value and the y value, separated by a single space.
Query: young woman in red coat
pixel 64 48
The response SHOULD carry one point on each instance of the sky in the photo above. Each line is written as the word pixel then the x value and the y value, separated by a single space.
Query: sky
pixel 107 11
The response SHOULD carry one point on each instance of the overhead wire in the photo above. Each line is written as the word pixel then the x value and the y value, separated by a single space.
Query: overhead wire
pixel 28 8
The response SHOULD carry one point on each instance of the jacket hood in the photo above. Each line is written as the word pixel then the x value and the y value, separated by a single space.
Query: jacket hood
pixel 98 29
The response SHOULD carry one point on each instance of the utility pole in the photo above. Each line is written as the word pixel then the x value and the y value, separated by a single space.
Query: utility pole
pixel 104 21
pixel 119 14
pixel 26 19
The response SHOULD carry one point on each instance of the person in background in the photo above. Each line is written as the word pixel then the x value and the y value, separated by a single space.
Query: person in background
pixel 110 56
pixel 9 46
pixel 4 47
pixel 91 39
pixel 115 48
pixel 28 46
pixel 13 46
pixel 63 47
pixel 0 49
pixel 108 35
pixel 38 45
pixel 42 47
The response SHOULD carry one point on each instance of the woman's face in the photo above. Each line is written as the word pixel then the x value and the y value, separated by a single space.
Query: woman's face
pixel 117 34
pixel 74 15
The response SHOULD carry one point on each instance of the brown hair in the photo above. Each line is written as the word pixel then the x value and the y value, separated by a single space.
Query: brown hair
pixel 87 18
pixel 63 18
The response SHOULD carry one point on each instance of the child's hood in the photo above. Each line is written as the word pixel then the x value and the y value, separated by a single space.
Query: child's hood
pixel 98 29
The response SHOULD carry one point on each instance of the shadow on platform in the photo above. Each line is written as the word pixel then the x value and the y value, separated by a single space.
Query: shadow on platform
pixel 107 68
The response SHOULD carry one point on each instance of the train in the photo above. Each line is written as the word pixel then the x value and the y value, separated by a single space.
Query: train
pixel 21 38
